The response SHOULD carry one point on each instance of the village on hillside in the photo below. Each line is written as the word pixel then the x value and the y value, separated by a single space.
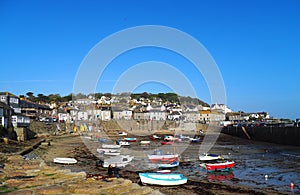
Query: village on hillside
pixel 18 112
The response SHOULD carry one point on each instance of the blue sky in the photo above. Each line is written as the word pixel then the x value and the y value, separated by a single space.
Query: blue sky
pixel 255 44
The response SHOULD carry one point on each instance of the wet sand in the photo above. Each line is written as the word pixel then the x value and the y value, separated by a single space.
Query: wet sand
pixel 199 182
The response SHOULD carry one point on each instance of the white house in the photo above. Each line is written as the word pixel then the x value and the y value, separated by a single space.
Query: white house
pixel 157 115
pixel 192 116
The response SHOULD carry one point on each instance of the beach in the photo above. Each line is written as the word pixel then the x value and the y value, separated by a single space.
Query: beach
pixel 199 182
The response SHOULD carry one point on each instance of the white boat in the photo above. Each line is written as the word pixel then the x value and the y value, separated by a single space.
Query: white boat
pixel 123 133
pixel 121 160
pixel 65 160
pixel 112 146
pixel 164 171
pixel 210 157
pixel 145 142
pixel 111 152
pixel 123 143
pixel 163 179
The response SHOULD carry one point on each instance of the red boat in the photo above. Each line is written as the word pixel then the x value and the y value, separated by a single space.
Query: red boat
pixel 166 143
pixel 156 158
pixel 223 166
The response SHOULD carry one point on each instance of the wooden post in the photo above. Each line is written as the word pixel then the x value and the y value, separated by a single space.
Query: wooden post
pixel 243 128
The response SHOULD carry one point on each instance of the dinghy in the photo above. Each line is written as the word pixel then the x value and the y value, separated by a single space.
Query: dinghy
pixel 145 142
pixel 123 143
pixel 130 139
pixel 111 152
pixel 120 160
pixel 65 160
pixel 210 157
pixel 223 166
pixel 112 146
pixel 170 179
pixel 168 165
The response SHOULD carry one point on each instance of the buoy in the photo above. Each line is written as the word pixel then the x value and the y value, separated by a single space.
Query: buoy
pixel 292 185
pixel 266 177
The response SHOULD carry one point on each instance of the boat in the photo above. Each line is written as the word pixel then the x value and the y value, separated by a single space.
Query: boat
pixel 168 165
pixel 164 171
pixel 111 152
pixel 123 143
pixel 163 157
pixel 210 157
pixel 222 166
pixel 123 133
pixel 166 143
pixel 145 142
pixel 65 160
pixel 121 160
pixel 158 156
pixel 170 179
pixel 112 146
pixel 154 137
pixel 195 140
pixel 130 139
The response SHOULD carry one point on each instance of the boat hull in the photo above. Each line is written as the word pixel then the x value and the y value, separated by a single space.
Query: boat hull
pixel 162 179
pixel 226 166
pixel 65 160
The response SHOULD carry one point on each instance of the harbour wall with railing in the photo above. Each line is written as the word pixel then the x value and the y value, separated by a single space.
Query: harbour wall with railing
pixel 272 134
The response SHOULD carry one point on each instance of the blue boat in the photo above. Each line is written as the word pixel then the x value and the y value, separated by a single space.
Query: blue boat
pixel 171 179
pixel 168 165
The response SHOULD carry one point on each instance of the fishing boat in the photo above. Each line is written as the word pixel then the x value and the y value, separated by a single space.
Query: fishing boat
pixel 65 160
pixel 209 157
pixel 123 143
pixel 222 166
pixel 168 165
pixel 130 139
pixel 120 160
pixel 112 146
pixel 170 179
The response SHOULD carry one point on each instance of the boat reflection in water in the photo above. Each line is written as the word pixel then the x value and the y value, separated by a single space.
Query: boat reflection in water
pixel 220 176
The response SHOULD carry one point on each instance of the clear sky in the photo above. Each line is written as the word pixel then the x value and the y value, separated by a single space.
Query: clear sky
pixel 255 43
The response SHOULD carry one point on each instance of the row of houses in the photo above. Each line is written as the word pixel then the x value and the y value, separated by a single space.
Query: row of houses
pixel 16 112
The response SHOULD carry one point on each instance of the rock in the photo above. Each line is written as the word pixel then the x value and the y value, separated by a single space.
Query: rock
pixel 50 190
pixel 21 192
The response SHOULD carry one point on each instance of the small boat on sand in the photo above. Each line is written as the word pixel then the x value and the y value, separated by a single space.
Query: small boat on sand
pixel 210 157
pixel 123 143
pixel 163 179
pixel 168 165
pixel 107 151
pixel 120 160
pixel 145 142
pixel 130 139
pixel 65 160
pixel 164 171
pixel 112 146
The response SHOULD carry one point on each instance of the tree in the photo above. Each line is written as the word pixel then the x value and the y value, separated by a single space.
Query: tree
pixel 30 96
